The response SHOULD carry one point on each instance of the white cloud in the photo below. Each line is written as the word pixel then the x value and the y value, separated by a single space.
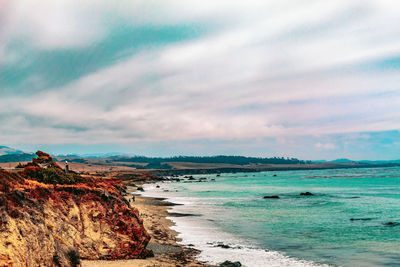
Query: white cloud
pixel 326 146
pixel 48 24
pixel 269 69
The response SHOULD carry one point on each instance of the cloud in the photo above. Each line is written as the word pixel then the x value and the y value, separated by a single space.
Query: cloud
pixel 144 71
pixel 326 146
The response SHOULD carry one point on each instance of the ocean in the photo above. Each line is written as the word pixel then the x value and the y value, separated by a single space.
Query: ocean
pixel 352 218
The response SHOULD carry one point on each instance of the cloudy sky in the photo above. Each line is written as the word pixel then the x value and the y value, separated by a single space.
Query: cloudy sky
pixel 312 79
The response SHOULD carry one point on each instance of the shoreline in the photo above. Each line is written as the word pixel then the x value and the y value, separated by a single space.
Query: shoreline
pixel 167 252
pixel 270 168
pixel 215 245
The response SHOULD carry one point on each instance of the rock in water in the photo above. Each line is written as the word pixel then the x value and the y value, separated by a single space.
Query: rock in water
pixel 273 196
pixel 230 264
pixel 306 194
pixel 392 224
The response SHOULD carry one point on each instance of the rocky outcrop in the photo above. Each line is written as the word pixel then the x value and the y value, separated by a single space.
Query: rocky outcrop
pixel 53 224
pixel 272 196
pixel 230 264
pixel 306 194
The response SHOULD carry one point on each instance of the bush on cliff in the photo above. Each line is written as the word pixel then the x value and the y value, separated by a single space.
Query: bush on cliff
pixel 43 169
pixel 51 175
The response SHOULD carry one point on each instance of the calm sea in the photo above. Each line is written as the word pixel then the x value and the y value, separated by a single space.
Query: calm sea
pixel 352 219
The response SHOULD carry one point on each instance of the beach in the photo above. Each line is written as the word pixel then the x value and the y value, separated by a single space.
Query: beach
pixel 167 252
pixel 348 218
pixel 208 219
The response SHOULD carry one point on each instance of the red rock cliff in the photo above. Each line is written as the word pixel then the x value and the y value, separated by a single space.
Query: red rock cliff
pixel 50 218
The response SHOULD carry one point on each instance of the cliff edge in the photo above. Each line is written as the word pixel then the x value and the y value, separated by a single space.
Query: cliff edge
pixel 53 218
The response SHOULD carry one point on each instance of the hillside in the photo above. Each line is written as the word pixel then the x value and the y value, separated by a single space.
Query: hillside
pixel 52 218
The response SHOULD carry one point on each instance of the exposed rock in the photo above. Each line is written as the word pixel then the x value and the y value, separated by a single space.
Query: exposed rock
pixel 57 224
pixel 306 194
pixel 230 264
pixel 273 196
pixel 220 245
pixel 360 219
pixel 392 224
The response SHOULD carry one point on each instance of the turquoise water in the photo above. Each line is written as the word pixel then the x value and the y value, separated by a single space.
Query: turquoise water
pixel 316 228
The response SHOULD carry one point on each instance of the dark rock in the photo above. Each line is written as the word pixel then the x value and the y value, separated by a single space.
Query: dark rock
pixel 360 219
pixel 273 196
pixel 306 194
pixel 230 264
pixel 157 186
pixel 56 260
pixel 73 256
pixel 140 189
pixel 177 214
pixel 148 253
pixel 392 224
pixel 221 245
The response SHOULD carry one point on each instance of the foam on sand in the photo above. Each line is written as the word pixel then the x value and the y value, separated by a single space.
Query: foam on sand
pixel 216 245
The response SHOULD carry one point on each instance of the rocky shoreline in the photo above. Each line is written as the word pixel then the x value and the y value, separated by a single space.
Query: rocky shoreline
pixel 163 242
pixel 261 168
pixel 56 217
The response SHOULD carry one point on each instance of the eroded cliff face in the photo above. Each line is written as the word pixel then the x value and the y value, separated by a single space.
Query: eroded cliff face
pixel 55 224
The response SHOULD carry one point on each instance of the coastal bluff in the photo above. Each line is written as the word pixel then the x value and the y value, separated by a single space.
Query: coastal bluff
pixel 49 217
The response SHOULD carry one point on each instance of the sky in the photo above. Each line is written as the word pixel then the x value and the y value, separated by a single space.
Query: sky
pixel 311 79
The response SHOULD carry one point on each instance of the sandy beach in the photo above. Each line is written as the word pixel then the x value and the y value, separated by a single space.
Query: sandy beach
pixel 163 241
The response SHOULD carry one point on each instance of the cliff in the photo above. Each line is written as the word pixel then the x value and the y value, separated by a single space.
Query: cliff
pixel 52 218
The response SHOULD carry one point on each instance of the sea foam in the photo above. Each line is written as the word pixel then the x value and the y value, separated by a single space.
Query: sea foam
pixel 216 245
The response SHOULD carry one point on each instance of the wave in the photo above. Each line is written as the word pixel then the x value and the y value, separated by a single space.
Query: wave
pixel 216 245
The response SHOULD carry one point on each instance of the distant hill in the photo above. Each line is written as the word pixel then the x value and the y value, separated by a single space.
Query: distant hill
pixel 342 161
pixel 237 160
pixel 8 154
pixel 94 156
pixel 5 150
pixel 358 161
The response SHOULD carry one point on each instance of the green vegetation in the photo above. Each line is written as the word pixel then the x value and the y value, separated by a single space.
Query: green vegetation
pixel 16 157
pixel 52 175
